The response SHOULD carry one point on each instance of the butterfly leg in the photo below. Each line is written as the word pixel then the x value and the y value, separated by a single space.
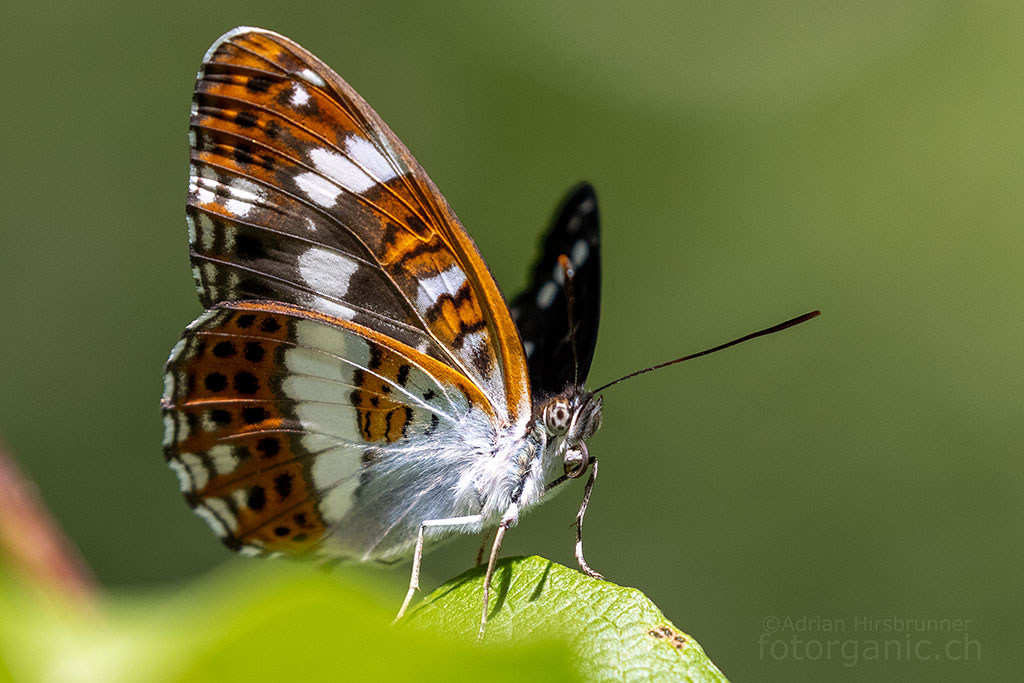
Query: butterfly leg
pixel 579 515
pixel 579 522
pixel 483 547
pixel 414 580
pixel 509 519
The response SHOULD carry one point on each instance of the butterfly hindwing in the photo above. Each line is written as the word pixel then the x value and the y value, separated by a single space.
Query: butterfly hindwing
pixel 286 427
pixel 541 311
pixel 300 193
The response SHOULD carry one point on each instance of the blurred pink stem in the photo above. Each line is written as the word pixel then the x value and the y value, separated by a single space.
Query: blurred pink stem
pixel 34 542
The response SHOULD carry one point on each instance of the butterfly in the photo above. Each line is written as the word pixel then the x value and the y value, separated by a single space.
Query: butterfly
pixel 357 387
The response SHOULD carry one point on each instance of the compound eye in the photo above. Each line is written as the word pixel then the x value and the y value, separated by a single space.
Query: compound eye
pixel 557 417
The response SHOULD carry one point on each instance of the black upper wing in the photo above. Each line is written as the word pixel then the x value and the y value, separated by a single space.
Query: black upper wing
pixel 540 312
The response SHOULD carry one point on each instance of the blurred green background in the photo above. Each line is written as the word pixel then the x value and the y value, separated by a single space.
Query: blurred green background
pixel 753 161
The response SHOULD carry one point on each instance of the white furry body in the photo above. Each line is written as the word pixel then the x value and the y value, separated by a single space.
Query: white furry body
pixel 470 470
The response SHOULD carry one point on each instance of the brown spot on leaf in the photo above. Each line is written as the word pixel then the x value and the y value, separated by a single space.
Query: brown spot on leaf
pixel 675 638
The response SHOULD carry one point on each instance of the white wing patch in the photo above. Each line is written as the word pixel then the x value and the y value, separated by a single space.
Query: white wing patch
pixel 326 352
pixel 184 476
pixel 220 511
pixel 197 474
pixel 321 373
pixel 580 252
pixel 336 473
pixel 364 153
pixel 318 189
pixel 239 197
pixel 223 459
pixel 546 294
pixel 356 170
pixel 245 195
pixel 312 77
pixel 325 270
pixel 336 420
pixel 446 282
pixel 218 527
pixel 300 96
pixel 340 169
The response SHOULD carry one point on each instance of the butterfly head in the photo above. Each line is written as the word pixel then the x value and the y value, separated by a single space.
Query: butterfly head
pixel 570 418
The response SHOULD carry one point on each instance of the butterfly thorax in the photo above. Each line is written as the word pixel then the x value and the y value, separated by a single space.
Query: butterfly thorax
pixel 554 445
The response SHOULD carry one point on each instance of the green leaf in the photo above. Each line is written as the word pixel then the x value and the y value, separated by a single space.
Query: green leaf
pixel 613 633
pixel 283 621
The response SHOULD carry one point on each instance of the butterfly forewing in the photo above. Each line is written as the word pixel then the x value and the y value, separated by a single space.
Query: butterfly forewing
pixel 541 311
pixel 299 193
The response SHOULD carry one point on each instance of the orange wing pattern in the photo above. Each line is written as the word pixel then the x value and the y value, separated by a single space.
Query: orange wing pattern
pixel 300 193
pixel 281 421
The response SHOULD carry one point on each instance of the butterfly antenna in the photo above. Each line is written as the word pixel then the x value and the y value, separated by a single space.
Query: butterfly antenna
pixel 760 333
pixel 568 275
